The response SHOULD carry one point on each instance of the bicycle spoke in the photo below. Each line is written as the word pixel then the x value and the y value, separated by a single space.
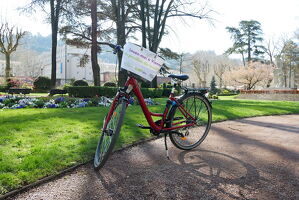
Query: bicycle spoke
pixel 197 107
pixel 109 135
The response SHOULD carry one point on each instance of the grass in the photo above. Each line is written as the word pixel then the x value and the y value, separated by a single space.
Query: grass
pixel 40 142
pixel 231 97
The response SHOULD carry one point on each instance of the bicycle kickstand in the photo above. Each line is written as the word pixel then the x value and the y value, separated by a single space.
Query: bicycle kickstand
pixel 166 148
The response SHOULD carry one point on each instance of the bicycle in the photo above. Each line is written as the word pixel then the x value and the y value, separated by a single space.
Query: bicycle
pixel 186 119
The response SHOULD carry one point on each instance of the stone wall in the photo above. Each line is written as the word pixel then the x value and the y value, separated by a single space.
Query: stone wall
pixel 275 95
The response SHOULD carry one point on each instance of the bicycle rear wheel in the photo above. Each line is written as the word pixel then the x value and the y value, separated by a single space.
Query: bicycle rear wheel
pixel 111 129
pixel 199 108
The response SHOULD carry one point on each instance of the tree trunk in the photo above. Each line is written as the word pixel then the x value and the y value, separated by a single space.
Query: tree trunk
pixel 119 9
pixel 249 47
pixel 7 68
pixel 220 82
pixel 290 76
pixel 243 59
pixel 55 11
pixel 143 21
pixel 54 50
pixel 94 46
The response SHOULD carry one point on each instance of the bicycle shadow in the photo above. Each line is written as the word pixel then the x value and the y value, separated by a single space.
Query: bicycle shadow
pixel 224 176
pixel 191 175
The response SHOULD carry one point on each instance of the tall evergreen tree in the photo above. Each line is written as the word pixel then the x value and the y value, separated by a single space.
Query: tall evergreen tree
pixel 213 88
pixel 247 40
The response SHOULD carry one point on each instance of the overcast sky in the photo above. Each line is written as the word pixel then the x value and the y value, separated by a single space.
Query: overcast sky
pixel 277 18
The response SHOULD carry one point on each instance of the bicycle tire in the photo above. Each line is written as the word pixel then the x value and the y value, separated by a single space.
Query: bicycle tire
pixel 185 143
pixel 101 158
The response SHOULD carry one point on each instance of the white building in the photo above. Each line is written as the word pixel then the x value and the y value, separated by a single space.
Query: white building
pixel 70 66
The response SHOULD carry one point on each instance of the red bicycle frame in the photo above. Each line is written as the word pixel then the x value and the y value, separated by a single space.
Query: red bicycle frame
pixel 132 85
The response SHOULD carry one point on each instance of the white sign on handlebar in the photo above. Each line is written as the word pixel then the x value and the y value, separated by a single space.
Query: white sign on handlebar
pixel 141 61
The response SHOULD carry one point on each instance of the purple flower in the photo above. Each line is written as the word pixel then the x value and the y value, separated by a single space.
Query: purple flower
pixel 59 99
pixel 82 104
pixel 20 106
pixel 52 106
pixel 131 101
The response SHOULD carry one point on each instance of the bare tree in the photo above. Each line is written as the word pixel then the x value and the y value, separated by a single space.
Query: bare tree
pixel 271 49
pixel 256 74
pixel 287 61
pixel 9 41
pixel 200 66
pixel 222 64
pixel 154 16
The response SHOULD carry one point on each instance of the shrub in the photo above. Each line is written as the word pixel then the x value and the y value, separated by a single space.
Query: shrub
pixel 145 84
pixel 39 103
pixel 3 88
pixel 152 92
pixel 12 83
pixel 166 92
pixel 42 84
pixel 80 83
pixel 227 92
pixel 110 84
pixel 212 96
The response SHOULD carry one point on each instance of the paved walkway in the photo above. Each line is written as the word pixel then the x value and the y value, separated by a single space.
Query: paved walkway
pixel 253 158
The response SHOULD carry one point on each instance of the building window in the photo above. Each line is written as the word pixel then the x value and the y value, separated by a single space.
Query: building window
pixel 61 65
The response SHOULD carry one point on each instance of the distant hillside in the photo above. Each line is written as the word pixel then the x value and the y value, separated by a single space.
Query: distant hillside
pixel 37 42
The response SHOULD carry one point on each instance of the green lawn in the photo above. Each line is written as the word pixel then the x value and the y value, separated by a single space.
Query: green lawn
pixel 38 142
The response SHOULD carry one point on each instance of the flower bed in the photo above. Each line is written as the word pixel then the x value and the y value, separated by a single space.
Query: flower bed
pixel 13 102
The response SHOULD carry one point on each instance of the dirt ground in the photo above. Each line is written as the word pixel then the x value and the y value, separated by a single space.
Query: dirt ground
pixel 252 158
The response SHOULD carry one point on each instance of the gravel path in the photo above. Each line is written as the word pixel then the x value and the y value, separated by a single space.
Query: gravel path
pixel 253 158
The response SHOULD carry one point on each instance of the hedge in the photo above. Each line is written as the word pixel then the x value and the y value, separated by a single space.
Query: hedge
pixel 42 83
pixel 80 83
pixel 3 88
pixel 92 91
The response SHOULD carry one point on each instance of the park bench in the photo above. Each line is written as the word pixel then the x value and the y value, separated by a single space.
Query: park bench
pixel 18 91
pixel 57 91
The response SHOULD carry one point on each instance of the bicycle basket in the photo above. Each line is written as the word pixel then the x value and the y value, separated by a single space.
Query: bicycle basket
pixel 141 61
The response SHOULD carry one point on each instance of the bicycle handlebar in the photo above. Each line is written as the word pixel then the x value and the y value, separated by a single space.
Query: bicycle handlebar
pixel 115 47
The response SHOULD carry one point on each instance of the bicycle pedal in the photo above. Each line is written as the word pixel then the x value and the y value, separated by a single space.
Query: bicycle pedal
pixel 142 126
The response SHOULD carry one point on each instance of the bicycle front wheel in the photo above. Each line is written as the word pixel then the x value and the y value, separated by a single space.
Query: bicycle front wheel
pixel 199 113
pixel 110 132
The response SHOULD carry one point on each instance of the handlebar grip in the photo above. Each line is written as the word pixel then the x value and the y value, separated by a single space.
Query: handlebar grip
pixel 117 48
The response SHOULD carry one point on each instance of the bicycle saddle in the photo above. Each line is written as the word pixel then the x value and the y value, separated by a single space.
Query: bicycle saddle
pixel 181 77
